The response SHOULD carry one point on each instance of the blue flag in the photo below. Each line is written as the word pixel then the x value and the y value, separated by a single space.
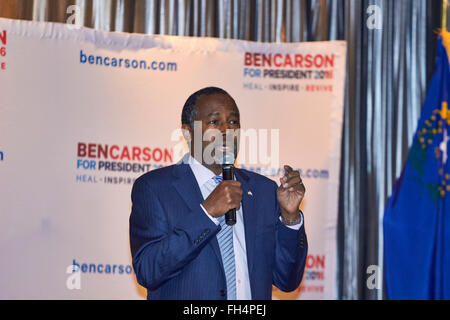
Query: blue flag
pixel 416 223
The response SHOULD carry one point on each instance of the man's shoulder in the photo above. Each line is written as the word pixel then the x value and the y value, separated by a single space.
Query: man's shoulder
pixel 157 177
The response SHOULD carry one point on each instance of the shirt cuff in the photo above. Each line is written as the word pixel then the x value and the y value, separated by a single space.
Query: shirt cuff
pixel 295 226
pixel 215 220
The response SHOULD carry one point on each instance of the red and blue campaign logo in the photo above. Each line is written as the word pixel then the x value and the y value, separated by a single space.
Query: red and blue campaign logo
pixel 305 72
pixel 314 274
pixel 3 39
pixel 113 160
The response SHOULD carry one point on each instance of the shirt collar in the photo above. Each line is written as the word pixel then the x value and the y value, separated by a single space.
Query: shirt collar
pixel 201 173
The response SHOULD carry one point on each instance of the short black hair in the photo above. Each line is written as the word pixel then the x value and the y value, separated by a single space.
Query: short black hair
pixel 189 112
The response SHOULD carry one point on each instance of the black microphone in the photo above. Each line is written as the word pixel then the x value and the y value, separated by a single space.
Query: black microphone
pixel 228 174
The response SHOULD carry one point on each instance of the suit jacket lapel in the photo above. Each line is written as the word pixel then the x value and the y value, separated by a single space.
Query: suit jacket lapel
pixel 187 186
pixel 250 218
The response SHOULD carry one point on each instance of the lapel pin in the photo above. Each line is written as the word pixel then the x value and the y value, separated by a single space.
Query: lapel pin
pixel 250 193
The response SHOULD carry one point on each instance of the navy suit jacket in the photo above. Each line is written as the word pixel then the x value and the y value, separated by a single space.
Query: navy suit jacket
pixel 174 247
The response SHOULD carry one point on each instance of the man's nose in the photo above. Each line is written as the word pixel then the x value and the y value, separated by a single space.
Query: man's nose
pixel 224 127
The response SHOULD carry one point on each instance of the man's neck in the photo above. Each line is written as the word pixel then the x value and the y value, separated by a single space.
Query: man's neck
pixel 215 168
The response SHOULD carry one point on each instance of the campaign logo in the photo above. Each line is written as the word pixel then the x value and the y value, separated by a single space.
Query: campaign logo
pixel 101 160
pixel 128 63
pixel 102 268
pixel 305 173
pixel 277 66
pixel 3 39
pixel 297 61
pixel 315 264
pixel 314 274
pixel 75 270
pixel 313 279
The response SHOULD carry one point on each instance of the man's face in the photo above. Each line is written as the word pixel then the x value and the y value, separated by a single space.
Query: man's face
pixel 217 114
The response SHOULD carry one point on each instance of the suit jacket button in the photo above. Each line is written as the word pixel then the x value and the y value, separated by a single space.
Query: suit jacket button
pixel 223 293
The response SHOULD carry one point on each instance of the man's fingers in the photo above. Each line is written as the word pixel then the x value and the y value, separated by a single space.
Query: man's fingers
pixel 291 181
pixel 297 191
pixel 231 182
pixel 299 187
pixel 236 198
pixel 289 172
pixel 295 184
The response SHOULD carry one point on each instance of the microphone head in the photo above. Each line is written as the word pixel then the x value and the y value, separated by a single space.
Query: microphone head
pixel 228 158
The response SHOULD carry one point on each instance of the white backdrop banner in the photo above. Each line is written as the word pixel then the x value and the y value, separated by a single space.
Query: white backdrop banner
pixel 83 113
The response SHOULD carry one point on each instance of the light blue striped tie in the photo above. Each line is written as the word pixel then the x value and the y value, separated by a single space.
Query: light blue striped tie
pixel 225 239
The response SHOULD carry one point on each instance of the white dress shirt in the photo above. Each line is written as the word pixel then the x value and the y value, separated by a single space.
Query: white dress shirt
pixel 243 291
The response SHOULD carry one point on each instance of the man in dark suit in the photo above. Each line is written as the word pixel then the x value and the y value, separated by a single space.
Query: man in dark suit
pixel 181 246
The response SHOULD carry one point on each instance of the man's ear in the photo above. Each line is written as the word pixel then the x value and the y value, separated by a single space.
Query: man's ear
pixel 187 133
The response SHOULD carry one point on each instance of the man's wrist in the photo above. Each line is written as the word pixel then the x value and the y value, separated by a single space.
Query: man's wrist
pixel 213 219
pixel 207 207
pixel 289 215
pixel 291 220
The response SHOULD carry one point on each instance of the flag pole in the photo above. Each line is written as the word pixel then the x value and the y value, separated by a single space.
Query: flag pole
pixel 444 13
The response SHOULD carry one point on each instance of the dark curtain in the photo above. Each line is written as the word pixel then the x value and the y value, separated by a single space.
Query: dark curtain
pixel 389 65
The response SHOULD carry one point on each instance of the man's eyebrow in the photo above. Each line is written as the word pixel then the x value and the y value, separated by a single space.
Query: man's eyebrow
pixel 234 114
